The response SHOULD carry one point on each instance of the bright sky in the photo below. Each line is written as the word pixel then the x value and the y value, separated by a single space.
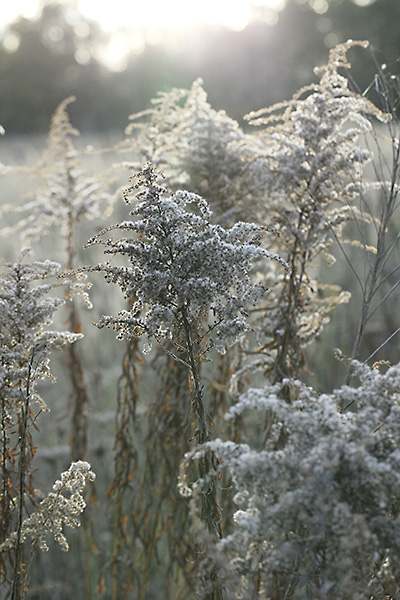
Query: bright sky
pixel 138 14
pixel 142 20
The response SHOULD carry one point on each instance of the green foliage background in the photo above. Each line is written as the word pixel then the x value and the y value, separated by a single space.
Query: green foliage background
pixel 242 71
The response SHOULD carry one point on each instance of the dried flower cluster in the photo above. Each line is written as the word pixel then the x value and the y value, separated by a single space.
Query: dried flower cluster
pixel 182 267
pixel 311 168
pixel 65 195
pixel 321 513
pixel 26 310
pixel 60 507
pixel 201 150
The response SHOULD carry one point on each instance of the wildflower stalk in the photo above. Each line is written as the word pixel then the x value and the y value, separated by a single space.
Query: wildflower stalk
pixel 125 466
pixel 64 198
pixel 310 168
pixel 182 270
pixel 211 512
pixel 16 592
pixel 379 267
pixel 7 480
pixel 54 510
pixel 25 346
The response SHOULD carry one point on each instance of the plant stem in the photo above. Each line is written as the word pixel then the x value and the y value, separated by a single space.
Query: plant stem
pixel 15 590
pixel 210 509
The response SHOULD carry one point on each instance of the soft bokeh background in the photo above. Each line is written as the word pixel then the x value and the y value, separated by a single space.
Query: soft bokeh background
pixel 114 58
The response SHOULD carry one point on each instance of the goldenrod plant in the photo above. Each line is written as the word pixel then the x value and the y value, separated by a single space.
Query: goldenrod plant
pixel 60 507
pixel 201 150
pixel 319 516
pixel 191 281
pixel 27 309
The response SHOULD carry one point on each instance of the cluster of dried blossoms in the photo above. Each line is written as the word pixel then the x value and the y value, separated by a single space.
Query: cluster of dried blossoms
pixel 182 268
pixel 60 507
pixel 318 514
pixel 190 284
pixel 201 150
pixel 65 196
pixel 26 312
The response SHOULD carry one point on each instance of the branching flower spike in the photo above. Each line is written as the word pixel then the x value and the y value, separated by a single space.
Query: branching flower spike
pixel 181 267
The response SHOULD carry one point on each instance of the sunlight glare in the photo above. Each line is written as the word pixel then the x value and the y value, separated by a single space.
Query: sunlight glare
pixel 173 14
pixel 133 24
pixel 10 10
pixel 363 2
pixel 114 55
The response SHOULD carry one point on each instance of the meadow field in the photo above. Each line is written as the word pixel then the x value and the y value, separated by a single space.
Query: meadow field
pixel 203 335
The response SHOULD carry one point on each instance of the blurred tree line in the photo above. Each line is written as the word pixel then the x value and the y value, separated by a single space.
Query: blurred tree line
pixel 45 60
